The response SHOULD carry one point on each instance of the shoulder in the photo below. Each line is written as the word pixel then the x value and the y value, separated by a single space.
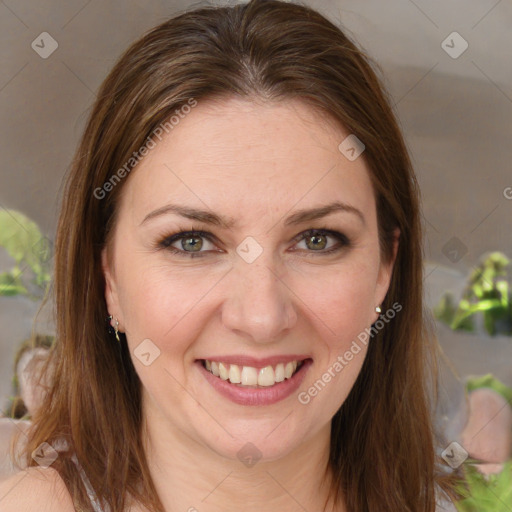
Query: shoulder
pixel 35 488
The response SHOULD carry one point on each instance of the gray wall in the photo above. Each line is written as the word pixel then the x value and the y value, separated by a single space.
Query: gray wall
pixel 456 112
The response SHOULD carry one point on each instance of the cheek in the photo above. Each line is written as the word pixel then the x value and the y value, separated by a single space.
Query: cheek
pixel 339 299
pixel 339 309
pixel 162 303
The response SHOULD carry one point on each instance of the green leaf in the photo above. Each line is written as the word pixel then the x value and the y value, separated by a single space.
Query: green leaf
pixel 491 494
pixel 502 287
pixel 18 234
pixel 11 285
pixel 445 310
pixel 478 290
pixel 24 242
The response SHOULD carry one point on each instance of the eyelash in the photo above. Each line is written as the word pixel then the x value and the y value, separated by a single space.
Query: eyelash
pixel 166 242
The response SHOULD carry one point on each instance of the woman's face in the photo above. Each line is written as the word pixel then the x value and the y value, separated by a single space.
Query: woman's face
pixel 254 291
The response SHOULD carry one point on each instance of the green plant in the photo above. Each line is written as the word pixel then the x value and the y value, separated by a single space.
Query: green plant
pixel 491 493
pixel 31 251
pixel 487 293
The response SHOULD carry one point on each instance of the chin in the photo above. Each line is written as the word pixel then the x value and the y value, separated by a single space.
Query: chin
pixel 261 440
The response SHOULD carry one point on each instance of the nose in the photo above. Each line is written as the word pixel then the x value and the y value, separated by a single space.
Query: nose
pixel 259 306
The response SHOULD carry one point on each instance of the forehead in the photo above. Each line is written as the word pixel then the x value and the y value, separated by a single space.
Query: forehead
pixel 244 157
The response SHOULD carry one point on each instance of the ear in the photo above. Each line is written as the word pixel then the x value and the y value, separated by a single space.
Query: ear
pixel 385 273
pixel 111 294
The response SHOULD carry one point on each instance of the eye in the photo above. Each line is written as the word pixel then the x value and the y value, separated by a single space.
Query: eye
pixel 317 240
pixel 192 242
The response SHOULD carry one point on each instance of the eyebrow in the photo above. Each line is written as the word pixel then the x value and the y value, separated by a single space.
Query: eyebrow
pixel 298 217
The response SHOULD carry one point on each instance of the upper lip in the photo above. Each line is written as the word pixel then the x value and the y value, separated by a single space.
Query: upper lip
pixel 255 362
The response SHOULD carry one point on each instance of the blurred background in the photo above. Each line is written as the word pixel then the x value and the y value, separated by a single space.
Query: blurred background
pixel 447 68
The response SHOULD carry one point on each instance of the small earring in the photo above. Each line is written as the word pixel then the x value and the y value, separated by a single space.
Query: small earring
pixel 116 327
pixel 378 309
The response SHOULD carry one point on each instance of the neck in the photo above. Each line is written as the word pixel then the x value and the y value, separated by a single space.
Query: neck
pixel 190 476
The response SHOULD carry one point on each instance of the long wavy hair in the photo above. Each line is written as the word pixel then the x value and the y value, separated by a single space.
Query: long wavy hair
pixel 383 445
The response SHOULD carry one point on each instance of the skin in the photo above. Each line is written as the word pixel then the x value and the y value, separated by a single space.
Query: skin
pixel 256 163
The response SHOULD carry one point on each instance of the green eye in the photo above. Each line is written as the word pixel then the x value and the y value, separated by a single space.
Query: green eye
pixel 192 242
pixel 317 240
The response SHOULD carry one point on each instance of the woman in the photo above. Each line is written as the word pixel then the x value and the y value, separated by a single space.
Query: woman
pixel 243 210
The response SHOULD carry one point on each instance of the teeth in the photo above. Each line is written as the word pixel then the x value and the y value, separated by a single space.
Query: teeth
pixel 266 376
pixel 250 376
pixel 223 372
pixel 288 370
pixel 234 374
pixel 279 373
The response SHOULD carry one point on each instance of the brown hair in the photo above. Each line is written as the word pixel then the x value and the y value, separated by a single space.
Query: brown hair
pixel 383 444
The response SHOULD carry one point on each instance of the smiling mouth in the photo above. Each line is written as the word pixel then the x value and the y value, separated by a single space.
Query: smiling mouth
pixel 251 377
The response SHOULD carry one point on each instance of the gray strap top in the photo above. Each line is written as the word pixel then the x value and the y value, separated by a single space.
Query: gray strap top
pixel 62 445
pixel 96 505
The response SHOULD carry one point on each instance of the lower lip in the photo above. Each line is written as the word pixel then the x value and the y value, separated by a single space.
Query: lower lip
pixel 257 396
